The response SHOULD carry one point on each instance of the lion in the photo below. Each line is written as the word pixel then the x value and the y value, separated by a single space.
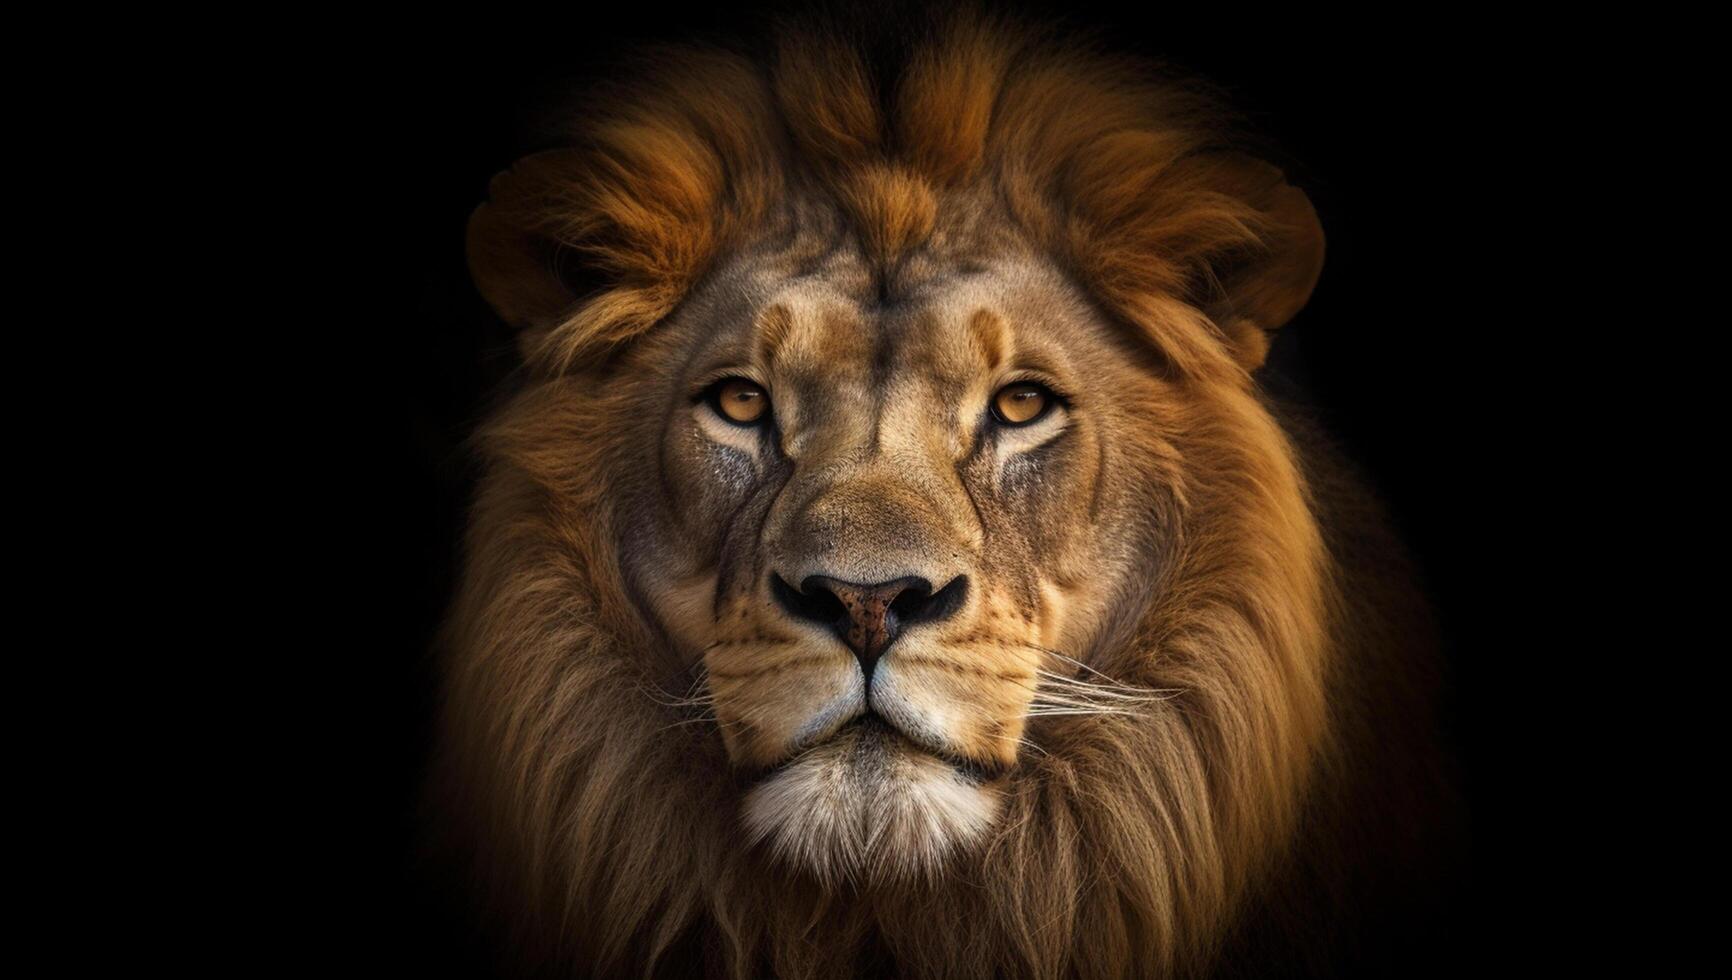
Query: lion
pixel 891 562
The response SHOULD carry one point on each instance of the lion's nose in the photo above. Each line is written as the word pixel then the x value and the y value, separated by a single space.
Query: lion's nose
pixel 868 618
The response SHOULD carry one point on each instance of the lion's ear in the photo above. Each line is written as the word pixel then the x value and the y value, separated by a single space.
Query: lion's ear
pixel 1261 294
pixel 515 253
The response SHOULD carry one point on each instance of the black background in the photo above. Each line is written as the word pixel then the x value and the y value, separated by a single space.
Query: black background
pixel 1417 142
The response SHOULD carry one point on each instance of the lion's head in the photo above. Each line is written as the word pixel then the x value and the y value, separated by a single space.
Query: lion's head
pixel 889 556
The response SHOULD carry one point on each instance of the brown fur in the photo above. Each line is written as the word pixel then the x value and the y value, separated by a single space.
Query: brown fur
pixel 1217 827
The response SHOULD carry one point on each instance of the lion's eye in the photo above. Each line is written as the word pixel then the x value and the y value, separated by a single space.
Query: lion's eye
pixel 1021 403
pixel 740 401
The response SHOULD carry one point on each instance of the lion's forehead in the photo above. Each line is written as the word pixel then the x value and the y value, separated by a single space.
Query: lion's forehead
pixel 831 334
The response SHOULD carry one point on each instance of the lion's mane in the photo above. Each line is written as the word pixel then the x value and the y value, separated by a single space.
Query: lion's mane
pixel 604 828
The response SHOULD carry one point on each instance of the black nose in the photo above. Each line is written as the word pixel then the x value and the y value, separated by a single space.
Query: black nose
pixel 868 618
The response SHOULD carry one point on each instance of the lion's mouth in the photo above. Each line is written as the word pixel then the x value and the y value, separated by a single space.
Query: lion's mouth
pixel 872 740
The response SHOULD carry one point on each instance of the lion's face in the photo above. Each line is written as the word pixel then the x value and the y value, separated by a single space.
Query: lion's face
pixel 880 536
pixel 910 430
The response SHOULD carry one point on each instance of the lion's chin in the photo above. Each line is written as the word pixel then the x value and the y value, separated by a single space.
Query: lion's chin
pixel 867 804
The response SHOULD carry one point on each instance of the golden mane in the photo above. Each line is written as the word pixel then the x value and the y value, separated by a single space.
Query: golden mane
pixel 1130 182
pixel 602 828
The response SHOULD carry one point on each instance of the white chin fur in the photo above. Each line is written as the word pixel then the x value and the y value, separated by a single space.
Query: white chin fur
pixel 864 805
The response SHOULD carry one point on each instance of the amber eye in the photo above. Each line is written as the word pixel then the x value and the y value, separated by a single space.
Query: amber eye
pixel 740 401
pixel 1021 403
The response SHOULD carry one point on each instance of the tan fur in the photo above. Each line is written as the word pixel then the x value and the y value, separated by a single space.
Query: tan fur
pixel 609 821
